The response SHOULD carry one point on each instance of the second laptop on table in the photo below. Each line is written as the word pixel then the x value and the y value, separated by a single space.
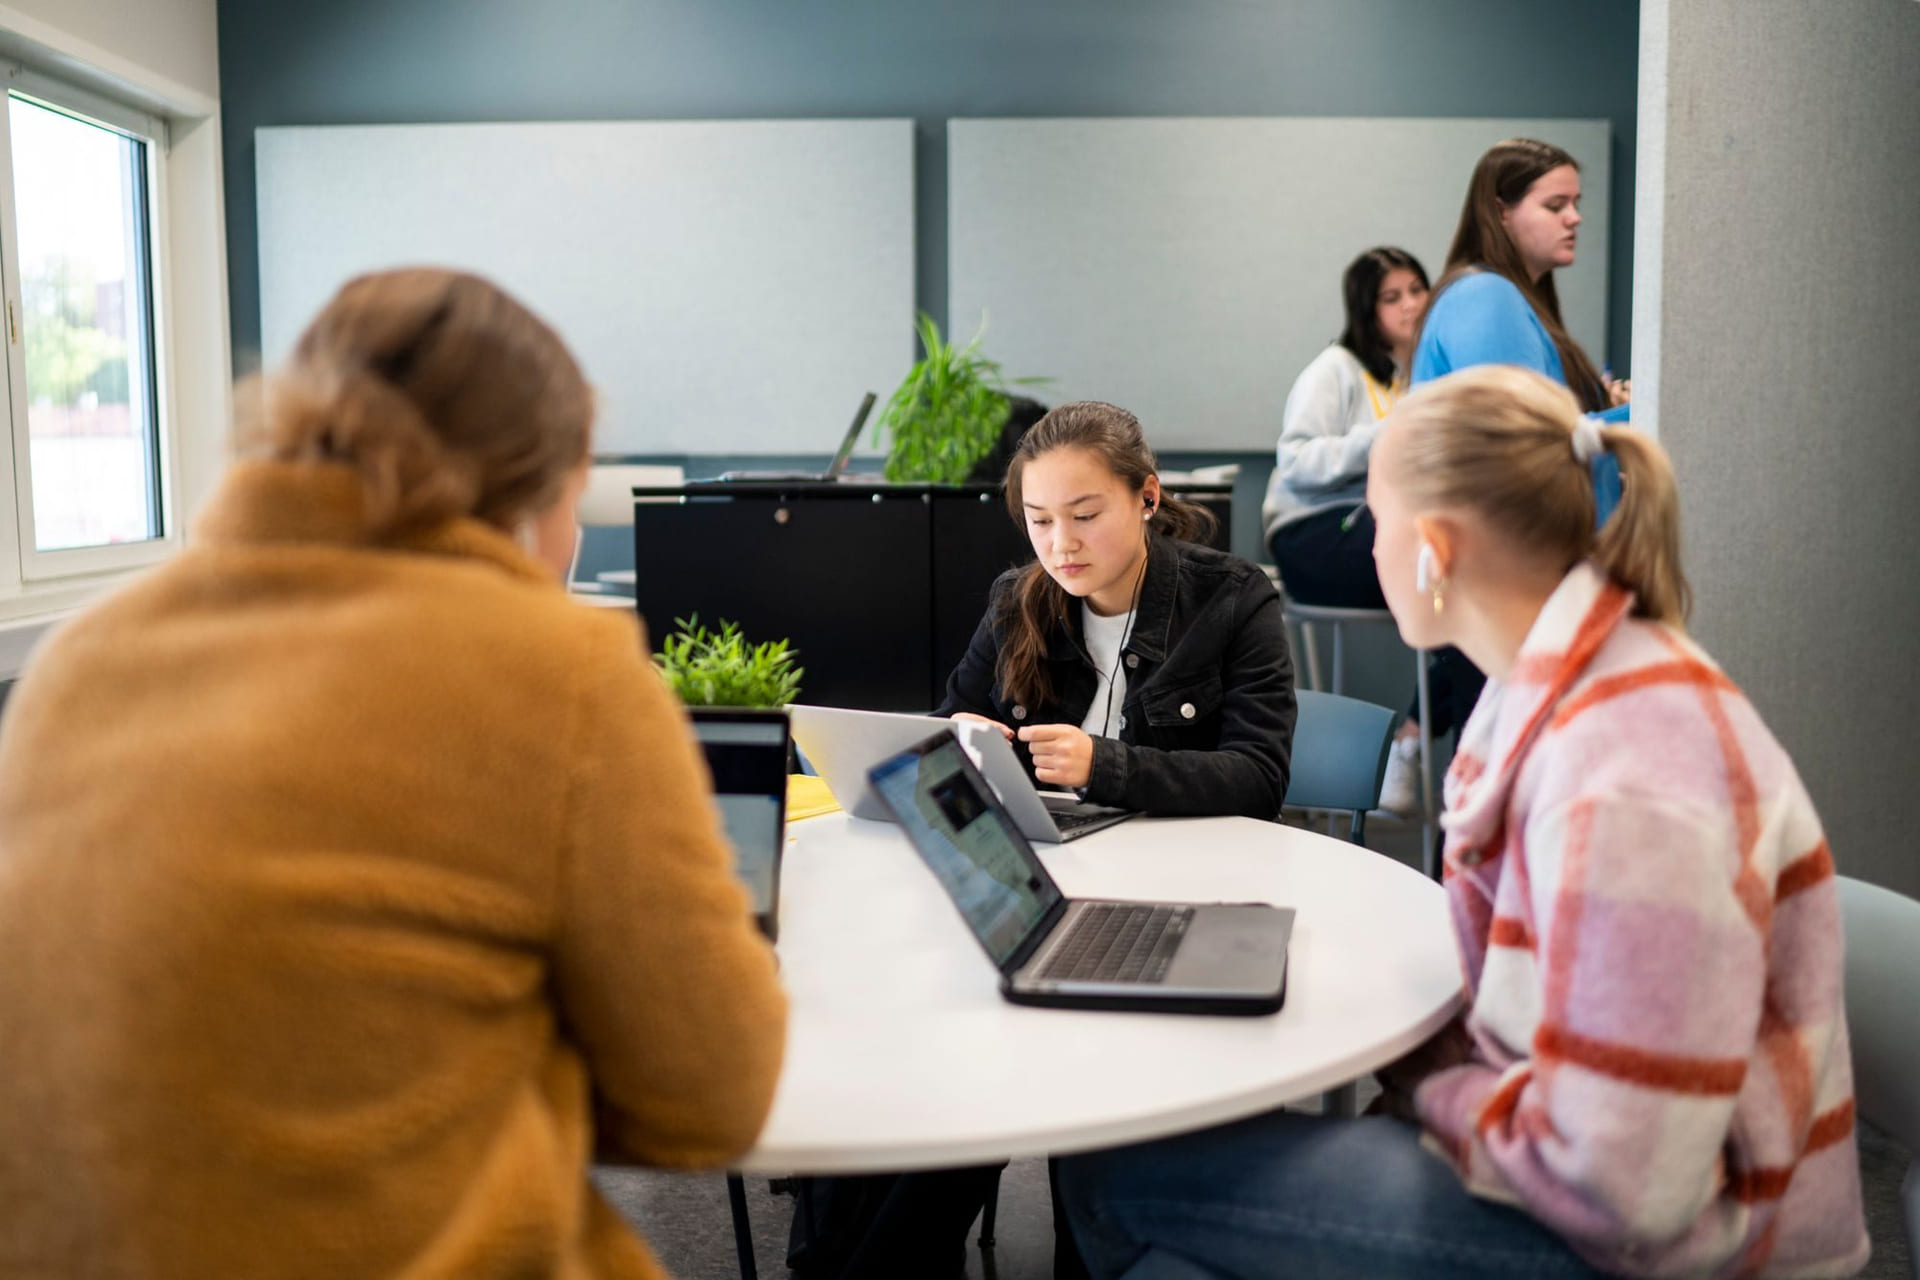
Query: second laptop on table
pixel 1167 957
pixel 843 744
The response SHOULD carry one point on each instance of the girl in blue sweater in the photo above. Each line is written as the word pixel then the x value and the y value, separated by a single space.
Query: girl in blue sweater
pixel 1496 304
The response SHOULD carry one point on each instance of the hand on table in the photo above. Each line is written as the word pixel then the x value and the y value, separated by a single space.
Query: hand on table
pixel 1062 753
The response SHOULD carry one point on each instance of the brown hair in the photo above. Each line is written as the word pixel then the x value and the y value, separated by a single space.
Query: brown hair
pixel 1480 242
pixel 448 398
pixel 1498 440
pixel 1037 603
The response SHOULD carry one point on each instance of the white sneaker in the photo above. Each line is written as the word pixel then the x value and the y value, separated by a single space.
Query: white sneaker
pixel 1400 789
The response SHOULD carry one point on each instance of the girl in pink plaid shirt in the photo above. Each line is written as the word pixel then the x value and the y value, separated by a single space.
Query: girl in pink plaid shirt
pixel 1651 1077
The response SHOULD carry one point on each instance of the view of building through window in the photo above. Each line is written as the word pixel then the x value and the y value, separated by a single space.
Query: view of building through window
pixel 80 208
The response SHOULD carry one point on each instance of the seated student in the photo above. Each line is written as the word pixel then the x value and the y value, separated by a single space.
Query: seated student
pixel 357 886
pixel 1316 524
pixel 1651 1077
pixel 1128 661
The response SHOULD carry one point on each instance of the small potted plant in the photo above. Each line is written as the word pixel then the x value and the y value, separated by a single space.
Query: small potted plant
pixel 721 669
pixel 948 414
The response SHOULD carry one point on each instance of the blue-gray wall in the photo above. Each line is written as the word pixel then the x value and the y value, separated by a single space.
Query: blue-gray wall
pixel 421 61
pixel 418 61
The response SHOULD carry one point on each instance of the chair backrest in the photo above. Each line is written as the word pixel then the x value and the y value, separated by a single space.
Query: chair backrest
pixel 1883 1022
pixel 608 498
pixel 1883 1005
pixel 1339 754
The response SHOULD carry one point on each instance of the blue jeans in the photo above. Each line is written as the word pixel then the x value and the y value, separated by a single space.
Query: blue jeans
pixel 1297 1196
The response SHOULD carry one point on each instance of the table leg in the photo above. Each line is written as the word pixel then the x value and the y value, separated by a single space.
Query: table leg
pixel 742 1230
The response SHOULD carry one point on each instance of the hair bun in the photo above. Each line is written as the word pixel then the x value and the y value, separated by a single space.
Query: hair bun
pixel 449 398
pixel 351 417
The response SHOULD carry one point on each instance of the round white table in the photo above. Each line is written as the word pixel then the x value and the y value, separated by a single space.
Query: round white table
pixel 901 1053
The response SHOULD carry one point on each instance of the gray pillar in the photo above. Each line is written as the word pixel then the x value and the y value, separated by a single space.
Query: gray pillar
pixel 1777 351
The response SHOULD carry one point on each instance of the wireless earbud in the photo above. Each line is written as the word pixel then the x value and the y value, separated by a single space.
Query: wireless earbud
pixel 1423 568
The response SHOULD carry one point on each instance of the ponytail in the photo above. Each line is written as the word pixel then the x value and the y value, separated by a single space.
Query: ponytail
pixel 1639 546
pixel 1504 442
pixel 1183 521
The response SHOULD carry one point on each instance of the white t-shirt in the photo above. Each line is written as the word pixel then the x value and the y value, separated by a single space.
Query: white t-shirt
pixel 1104 637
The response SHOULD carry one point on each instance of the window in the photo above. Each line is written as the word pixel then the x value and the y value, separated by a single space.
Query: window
pixel 89 475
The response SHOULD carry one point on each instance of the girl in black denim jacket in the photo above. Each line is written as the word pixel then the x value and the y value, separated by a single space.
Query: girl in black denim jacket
pixel 1128 662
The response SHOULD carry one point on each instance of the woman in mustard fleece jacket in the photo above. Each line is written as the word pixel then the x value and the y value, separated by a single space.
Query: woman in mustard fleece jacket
pixel 356 886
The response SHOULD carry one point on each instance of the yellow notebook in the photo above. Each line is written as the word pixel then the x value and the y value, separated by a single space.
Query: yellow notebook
pixel 808 797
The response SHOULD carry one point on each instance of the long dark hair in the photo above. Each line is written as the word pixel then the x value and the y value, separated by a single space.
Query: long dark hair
pixel 1502 178
pixel 1037 604
pixel 1361 287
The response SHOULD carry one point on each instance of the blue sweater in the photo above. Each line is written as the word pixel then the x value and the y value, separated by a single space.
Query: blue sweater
pixel 1482 318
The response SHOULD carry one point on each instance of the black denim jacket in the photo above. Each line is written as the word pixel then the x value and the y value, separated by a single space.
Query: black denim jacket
pixel 1208 722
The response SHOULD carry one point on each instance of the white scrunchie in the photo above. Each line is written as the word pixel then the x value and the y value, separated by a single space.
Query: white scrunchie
pixel 1587 444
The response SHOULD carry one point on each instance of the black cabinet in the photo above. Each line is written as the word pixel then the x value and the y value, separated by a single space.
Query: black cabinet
pixel 878 586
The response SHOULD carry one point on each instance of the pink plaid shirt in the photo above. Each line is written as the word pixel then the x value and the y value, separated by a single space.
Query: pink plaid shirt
pixel 1650 934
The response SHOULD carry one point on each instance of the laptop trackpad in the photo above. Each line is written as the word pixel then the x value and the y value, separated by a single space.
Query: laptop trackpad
pixel 1067 802
pixel 1232 946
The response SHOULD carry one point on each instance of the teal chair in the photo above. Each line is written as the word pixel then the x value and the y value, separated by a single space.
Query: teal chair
pixel 1883 1021
pixel 1339 756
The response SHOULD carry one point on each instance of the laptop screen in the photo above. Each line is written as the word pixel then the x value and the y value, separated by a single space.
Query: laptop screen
pixel 747 754
pixel 847 442
pixel 970 843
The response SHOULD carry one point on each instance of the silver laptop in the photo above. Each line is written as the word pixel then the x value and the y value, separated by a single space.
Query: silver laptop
pixel 843 744
pixel 835 469
pixel 1166 957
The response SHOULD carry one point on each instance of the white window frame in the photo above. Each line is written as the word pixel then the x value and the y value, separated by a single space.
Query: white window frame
pixel 21 561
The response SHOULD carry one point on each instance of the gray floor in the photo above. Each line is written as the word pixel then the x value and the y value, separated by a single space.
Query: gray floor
pixel 686 1219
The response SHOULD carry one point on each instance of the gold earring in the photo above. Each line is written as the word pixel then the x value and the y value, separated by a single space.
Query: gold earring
pixel 1439 600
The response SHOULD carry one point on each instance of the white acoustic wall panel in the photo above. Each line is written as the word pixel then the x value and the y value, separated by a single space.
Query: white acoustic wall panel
pixel 728 287
pixel 1188 269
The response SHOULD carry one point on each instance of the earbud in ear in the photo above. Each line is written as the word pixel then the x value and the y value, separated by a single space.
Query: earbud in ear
pixel 1423 568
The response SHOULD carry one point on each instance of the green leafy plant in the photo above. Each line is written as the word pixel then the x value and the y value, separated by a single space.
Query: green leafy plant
pixel 720 669
pixel 948 413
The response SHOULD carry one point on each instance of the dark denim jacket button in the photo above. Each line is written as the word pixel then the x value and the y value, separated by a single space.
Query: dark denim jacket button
pixel 1133 660
pixel 1186 710
pixel 1019 713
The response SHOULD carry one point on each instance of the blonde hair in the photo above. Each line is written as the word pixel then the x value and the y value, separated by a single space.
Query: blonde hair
pixel 1498 440
pixel 447 396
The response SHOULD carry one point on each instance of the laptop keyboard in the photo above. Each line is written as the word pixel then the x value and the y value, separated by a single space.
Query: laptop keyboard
pixel 1070 821
pixel 1119 942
